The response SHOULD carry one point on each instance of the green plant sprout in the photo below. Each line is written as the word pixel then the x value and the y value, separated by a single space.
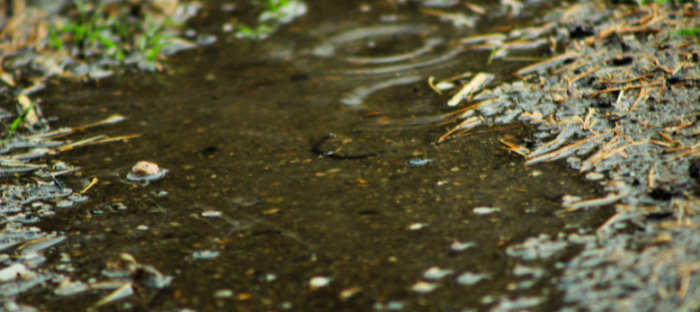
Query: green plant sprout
pixel 92 34
pixel 274 14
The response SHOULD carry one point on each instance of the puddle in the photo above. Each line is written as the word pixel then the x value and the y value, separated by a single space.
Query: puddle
pixel 255 214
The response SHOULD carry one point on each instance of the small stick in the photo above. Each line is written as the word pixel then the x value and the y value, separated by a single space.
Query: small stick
pixel 590 71
pixel 544 65
pixel 605 33
pixel 563 149
pixel 627 88
pixel 120 138
pixel 626 80
pixel 611 198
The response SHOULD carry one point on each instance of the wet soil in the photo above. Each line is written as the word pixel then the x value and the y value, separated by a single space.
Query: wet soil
pixel 240 127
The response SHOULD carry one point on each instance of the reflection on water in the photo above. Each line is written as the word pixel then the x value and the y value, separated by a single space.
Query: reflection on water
pixel 250 218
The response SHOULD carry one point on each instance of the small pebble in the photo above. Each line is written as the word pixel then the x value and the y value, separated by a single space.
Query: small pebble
pixel 595 176
pixel 423 287
pixel 223 293
pixel 444 85
pixel 417 226
pixel 485 210
pixel 211 214
pixel 348 293
pixel 459 246
pixel 205 254
pixel 436 273
pixel 469 278
pixel 64 204
pixel 319 281
pixel 78 198
pixel 228 7
pixel 417 162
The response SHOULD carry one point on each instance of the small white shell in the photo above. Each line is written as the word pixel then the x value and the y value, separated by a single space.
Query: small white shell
pixel 146 171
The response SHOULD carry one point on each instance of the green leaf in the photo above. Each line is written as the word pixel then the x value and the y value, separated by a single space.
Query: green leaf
pixel 54 40
pixel 691 32
pixel 18 121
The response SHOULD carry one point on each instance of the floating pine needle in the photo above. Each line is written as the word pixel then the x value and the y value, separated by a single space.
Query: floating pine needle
pixel 79 143
pixel 432 86
pixel 515 148
pixel 467 124
pixel 92 183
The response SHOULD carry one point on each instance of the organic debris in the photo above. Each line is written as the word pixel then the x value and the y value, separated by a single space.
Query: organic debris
pixel 87 41
pixel 618 106
pixel 127 277
pixel 18 150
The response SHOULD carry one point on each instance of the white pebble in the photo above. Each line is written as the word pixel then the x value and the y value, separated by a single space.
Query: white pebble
pixel 211 214
pixel 436 273
pixel 223 293
pixel 469 278
pixel 485 210
pixel 459 246
pixel 423 287
pixel 417 226
pixel 319 281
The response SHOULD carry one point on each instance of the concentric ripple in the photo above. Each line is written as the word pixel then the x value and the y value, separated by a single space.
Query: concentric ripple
pixel 429 53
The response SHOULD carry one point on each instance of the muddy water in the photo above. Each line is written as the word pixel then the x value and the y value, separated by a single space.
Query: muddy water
pixel 242 128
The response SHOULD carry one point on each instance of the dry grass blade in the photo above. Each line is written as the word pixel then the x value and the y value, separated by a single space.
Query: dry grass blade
pixel 79 143
pixel 483 38
pixel 547 64
pixel 476 84
pixel 550 155
pixel 467 124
